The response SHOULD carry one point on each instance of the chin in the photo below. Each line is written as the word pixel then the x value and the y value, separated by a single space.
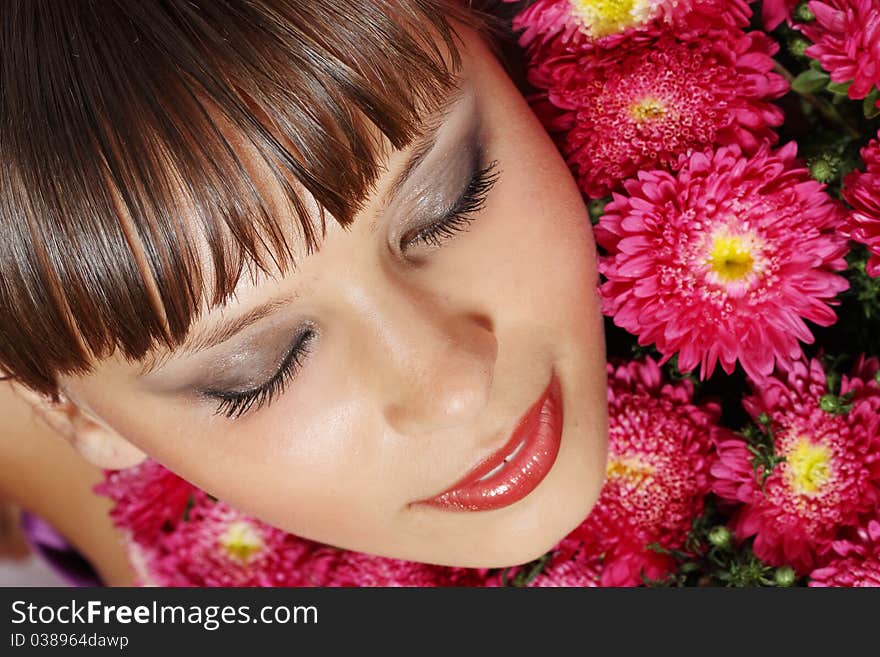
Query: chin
pixel 507 555
pixel 524 546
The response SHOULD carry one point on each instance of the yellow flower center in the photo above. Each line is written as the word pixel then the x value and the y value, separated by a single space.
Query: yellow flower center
pixel 603 17
pixel 629 469
pixel 731 258
pixel 647 109
pixel 809 466
pixel 241 541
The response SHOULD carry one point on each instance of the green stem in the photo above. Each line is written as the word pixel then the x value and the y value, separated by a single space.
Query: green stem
pixel 826 109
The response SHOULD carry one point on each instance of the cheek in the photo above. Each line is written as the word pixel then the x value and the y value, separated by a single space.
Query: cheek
pixel 536 238
pixel 533 248
pixel 323 466
pixel 307 463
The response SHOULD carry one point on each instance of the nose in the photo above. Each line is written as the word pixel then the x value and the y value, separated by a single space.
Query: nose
pixel 433 364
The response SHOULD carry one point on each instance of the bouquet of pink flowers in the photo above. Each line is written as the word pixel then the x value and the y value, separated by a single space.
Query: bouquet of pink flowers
pixel 730 155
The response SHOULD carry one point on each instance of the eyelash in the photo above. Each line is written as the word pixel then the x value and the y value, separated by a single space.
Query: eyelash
pixel 472 200
pixel 236 404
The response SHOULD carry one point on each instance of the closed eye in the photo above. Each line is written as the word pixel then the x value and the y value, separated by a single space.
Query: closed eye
pixel 466 208
pixel 234 404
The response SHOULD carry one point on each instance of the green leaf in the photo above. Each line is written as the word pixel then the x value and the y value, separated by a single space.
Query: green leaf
pixel 526 573
pixel 841 89
pixel 810 81
pixel 816 66
pixel 190 503
pixel 537 567
pixel 869 106
pixel 761 445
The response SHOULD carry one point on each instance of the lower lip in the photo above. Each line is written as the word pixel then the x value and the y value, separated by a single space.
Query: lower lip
pixel 535 441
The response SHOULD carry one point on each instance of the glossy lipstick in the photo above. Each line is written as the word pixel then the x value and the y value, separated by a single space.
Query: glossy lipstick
pixel 518 467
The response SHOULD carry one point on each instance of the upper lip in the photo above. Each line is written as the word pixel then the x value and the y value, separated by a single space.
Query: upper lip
pixel 519 433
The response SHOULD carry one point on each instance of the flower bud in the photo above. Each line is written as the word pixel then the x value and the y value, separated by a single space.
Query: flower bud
pixel 802 14
pixel 798 46
pixel 785 576
pixel 720 536
pixel 596 208
pixel 825 168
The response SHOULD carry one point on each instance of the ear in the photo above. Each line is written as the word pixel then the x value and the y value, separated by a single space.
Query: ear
pixel 93 439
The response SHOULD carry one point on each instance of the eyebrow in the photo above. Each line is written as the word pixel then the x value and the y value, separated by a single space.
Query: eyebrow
pixel 425 141
pixel 215 335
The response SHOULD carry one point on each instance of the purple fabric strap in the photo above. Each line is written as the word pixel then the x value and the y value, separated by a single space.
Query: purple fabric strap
pixel 57 552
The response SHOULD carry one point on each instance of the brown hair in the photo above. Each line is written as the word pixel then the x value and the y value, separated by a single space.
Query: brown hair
pixel 110 125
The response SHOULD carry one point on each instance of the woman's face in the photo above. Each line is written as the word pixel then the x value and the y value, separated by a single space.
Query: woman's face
pixel 455 322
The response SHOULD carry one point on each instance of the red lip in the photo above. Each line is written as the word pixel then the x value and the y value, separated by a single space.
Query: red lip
pixel 540 432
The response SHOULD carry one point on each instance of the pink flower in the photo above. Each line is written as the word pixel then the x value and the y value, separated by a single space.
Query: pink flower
pixel 861 189
pixel 830 475
pixel 846 41
pixel 147 497
pixel 774 12
pixel 219 546
pixel 661 447
pixel 606 22
pixel 573 564
pixel 856 560
pixel 724 260
pixel 643 104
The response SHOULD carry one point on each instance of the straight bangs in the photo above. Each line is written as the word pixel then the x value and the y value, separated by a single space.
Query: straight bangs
pixel 125 207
